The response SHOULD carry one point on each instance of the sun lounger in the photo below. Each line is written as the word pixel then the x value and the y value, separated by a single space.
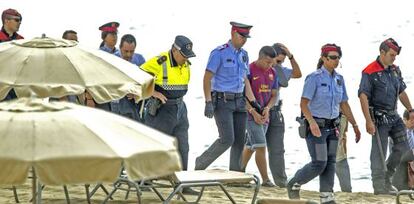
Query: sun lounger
pixel 200 178
pixel 284 201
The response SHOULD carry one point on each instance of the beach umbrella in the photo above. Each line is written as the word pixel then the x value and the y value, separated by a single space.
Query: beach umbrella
pixel 48 67
pixel 70 144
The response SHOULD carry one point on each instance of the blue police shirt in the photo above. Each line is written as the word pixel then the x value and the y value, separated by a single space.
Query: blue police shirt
pixel 107 49
pixel 136 59
pixel 229 66
pixel 288 74
pixel 325 92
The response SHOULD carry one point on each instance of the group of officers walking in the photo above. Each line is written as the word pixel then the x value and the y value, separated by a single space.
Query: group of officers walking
pixel 245 102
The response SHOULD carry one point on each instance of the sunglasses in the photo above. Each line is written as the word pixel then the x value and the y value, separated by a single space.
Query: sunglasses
pixel 334 57
pixel 18 20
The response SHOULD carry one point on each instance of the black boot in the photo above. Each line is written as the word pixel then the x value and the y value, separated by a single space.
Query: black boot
pixel 293 190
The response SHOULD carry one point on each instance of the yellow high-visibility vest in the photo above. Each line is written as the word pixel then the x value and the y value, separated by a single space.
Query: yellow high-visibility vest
pixel 166 76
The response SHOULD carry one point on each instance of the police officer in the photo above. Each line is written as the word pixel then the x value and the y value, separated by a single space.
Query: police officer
pixel 166 110
pixel 109 37
pixel 276 129
pixel 381 86
pixel 124 106
pixel 324 93
pixel 11 20
pixel 225 79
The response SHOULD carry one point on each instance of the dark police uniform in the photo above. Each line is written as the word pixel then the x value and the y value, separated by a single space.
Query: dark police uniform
pixel 382 86
pixel 230 67
pixel 172 81
pixel 4 37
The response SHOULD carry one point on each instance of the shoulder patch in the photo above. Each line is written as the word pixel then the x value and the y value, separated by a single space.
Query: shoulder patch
pixel 373 68
pixel 222 47
pixel 161 59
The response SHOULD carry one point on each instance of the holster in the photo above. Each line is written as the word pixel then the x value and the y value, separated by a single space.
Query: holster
pixel 303 127
pixel 153 105
pixel 214 99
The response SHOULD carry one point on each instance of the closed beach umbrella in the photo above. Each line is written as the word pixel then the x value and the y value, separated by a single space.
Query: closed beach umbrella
pixel 47 67
pixel 70 144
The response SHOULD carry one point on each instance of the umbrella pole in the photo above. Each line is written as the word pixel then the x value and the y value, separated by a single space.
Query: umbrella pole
pixel 34 185
pixel 36 189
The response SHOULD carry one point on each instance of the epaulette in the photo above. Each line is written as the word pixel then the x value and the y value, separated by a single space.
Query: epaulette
pixel 161 59
pixel 373 68
pixel 318 71
pixel 222 47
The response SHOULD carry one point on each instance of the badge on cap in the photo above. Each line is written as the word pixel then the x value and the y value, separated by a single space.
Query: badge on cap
pixel 241 28
pixel 111 27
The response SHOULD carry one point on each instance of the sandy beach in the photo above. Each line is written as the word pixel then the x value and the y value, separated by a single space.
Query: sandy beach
pixel 212 195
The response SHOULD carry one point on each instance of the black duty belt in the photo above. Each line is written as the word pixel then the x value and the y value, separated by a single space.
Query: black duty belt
pixel 381 112
pixel 174 101
pixel 323 122
pixel 228 96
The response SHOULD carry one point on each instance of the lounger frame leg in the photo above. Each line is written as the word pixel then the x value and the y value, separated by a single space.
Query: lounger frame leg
pixel 256 190
pixel 410 194
pixel 117 186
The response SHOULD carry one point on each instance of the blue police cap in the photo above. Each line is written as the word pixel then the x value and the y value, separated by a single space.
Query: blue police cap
pixel 184 45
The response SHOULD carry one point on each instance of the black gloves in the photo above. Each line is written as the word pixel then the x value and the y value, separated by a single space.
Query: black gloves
pixel 209 109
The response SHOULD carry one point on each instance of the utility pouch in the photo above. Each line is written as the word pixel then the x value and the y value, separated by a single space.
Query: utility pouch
pixel 153 105
pixel 303 127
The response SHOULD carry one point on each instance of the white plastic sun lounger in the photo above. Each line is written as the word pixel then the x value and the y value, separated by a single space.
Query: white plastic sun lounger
pixel 200 178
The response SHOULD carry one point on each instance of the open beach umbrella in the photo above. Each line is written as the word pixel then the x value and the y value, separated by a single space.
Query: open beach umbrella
pixel 47 67
pixel 70 144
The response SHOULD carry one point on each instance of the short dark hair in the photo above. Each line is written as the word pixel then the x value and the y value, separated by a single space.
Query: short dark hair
pixel 127 38
pixel 279 49
pixel 388 43
pixel 406 115
pixel 68 32
pixel 267 51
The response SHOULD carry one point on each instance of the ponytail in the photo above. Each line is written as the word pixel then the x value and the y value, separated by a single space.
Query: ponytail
pixel 320 63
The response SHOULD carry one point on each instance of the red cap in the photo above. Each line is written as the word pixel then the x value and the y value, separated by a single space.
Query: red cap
pixel 111 27
pixel 391 43
pixel 329 48
pixel 241 28
pixel 10 13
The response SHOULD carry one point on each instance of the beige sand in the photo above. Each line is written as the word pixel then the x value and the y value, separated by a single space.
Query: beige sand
pixel 212 195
